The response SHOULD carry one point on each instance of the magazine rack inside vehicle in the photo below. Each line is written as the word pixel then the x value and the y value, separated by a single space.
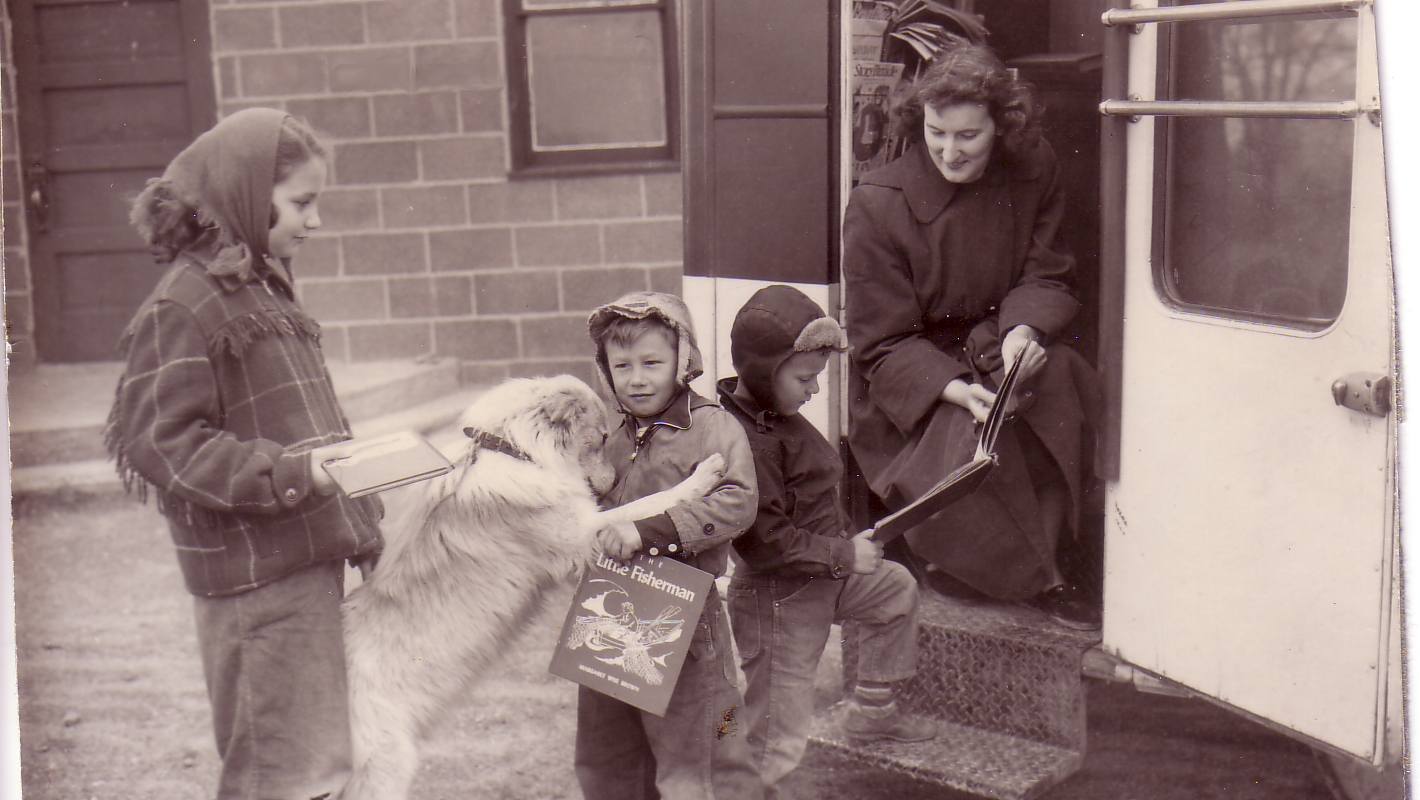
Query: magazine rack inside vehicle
pixel 1240 308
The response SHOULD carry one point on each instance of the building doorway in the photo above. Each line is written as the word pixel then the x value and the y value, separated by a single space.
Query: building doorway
pixel 108 94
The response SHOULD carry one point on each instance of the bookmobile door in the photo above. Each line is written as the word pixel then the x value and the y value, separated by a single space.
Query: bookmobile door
pixel 1251 515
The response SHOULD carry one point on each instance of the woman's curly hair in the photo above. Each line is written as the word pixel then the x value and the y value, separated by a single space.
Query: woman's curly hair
pixel 971 73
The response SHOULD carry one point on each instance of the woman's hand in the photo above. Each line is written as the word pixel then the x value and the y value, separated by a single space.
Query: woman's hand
pixel 971 396
pixel 1024 342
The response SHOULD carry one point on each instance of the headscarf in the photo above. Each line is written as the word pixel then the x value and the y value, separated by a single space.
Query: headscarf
pixel 227 174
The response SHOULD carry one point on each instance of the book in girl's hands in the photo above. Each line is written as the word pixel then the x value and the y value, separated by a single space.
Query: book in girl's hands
pixel 629 628
pixel 386 462
pixel 961 481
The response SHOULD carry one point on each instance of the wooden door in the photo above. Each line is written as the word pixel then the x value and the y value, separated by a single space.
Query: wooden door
pixel 108 93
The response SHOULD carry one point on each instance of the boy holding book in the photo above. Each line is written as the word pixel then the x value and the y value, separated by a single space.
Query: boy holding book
pixel 646 351
pixel 802 570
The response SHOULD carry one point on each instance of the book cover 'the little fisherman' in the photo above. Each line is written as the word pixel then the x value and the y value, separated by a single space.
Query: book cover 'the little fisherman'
pixel 629 628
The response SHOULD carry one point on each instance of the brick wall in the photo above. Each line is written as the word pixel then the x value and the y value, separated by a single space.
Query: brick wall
pixel 19 304
pixel 427 249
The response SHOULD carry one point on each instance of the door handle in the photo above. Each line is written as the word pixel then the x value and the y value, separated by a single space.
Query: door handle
pixel 37 177
pixel 1367 392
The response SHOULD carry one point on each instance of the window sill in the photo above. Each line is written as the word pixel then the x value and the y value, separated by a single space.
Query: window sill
pixel 580 170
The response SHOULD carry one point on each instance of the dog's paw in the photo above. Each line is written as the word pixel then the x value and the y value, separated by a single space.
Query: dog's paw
pixel 707 475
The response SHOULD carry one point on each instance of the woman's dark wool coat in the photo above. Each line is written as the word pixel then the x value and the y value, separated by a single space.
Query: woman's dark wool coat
pixel 932 271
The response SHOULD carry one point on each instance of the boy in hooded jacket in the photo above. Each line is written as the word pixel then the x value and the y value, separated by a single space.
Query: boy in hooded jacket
pixel 645 348
pixel 802 570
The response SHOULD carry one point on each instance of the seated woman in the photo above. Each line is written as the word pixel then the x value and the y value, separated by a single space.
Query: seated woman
pixel 952 271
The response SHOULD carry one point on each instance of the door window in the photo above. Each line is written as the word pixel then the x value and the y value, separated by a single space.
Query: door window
pixel 1256 209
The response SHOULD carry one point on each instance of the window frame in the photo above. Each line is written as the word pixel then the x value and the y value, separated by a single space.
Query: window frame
pixel 527 162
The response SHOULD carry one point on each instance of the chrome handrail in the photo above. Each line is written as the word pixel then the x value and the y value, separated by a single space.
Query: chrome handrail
pixel 1237 9
pixel 1345 109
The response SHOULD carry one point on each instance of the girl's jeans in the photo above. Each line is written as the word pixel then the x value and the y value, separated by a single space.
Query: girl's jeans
pixel 274 658
pixel 781 626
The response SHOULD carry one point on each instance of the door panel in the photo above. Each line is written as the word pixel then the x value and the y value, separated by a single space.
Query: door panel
pixel 123 115
pixel 766 227
pixel 99 32
pixel 760 127
pixel 109 93
pixel 1250 541
pixel 761 204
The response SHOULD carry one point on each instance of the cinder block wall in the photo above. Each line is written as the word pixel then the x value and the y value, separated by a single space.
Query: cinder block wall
pixel 427 248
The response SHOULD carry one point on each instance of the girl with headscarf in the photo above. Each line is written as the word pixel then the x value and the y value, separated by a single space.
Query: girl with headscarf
pixel 225 397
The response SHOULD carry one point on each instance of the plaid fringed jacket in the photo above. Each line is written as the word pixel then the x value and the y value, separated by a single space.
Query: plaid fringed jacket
pixel 225 392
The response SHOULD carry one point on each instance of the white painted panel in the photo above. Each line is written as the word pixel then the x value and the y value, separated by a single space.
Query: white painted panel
pixel 1249 549
pixel 713 303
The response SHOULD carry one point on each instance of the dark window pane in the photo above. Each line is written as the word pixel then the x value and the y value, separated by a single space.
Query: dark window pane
pixel 1258 210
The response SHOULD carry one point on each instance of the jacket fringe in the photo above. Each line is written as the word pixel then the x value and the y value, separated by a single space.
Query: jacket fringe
pixel 233 338
pixel 136 485
pixel 237 336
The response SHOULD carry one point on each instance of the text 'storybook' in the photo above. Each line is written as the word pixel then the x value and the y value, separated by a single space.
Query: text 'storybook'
pixel 387 462
pixel 961 481
pixel 629 628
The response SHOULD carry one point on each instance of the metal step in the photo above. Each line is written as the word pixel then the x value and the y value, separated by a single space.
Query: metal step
pixel 1004 683
pixel 964 758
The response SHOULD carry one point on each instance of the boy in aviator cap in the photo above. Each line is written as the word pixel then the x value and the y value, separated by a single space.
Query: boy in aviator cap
pixel 803 571
pixel 646 351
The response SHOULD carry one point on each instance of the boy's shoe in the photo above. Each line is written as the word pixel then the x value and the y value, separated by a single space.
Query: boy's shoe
pixel 864 724
pixel 1069 606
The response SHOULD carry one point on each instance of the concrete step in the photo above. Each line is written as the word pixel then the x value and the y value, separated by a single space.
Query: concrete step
pixel 57 412
pixel 1004 683
pixel 57 420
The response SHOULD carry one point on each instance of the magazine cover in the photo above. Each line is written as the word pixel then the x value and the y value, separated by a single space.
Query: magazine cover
pixel 629 628
pixel 870 83
pixel 869 23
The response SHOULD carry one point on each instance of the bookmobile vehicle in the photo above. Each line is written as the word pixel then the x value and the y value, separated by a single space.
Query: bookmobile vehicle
pixel 1230 219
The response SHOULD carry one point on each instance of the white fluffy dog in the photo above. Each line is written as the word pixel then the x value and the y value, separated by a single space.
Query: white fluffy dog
pixel 468 563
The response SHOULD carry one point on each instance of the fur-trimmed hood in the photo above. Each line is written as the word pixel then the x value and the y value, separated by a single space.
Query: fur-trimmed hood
pixel 777 322
pixel 639 305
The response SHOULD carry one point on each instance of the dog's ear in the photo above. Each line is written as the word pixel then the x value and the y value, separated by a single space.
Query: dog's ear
pixel 564 411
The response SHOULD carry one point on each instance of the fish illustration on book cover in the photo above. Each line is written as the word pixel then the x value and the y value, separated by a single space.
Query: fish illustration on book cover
pixel 625 633
pixel 622 639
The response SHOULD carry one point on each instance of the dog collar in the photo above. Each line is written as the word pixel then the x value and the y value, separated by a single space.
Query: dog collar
pixel 496 443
